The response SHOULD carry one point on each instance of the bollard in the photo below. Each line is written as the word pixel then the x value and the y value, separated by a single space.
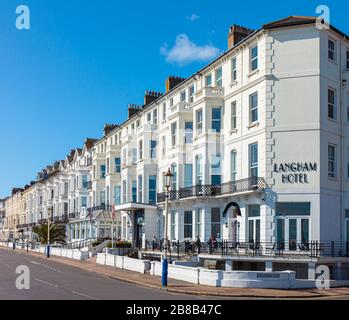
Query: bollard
pixel 164 272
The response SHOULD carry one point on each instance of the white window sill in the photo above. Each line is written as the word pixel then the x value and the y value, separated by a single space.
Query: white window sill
pixel 333 179
pixel 253 125
pixel 252 73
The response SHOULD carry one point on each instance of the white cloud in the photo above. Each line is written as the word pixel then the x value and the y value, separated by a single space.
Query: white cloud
pixel 193 17
pixel 185 51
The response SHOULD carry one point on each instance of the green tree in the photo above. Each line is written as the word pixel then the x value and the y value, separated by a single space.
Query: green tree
pixel 57 233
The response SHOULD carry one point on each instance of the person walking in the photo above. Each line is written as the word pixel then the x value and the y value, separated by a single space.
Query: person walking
pixel 198 244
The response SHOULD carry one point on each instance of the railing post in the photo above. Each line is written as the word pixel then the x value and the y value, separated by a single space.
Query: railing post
pixel 177 249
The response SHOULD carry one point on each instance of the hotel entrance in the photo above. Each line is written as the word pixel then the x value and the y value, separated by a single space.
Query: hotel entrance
pixel 138 227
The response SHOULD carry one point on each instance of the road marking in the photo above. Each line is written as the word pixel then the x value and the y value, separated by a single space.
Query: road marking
pixel 84 295
pixel 47 283
pixel 45 266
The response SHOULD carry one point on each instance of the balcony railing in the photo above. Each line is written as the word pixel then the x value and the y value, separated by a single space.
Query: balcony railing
pixel 296 250
pixel 42 221
pixel 101 207
pixel 249 184
pixel 72 215
pixel 61 219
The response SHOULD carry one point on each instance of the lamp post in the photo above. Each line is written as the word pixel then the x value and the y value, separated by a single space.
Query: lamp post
pixel 48 233
pixel 168 180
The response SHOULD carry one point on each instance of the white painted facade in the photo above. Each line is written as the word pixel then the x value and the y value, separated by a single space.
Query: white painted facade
pixel 275 106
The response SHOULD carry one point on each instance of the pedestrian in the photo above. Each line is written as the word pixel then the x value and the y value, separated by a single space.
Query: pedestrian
pixel 215 244
pixel 211 244
pixel 155 243
pixel 198 244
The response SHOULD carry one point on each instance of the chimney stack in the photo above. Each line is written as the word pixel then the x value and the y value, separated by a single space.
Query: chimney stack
pixel 151 96
pixel 133 109
pixel 236 34
pixel 172 82
pixel 109 127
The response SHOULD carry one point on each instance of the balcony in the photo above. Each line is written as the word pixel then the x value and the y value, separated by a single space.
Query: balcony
pixel 100 208
pixel 72 215
pixel 42 221
pixel 180 108
pixel 61 219
pixel 210 92
pixel 225 189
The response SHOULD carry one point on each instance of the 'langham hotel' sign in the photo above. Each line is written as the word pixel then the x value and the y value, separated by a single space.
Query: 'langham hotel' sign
pixel 295 172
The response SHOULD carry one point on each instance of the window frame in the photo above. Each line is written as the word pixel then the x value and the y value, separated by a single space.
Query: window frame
pixel 216 121
pixel 332 104
pixel 332 51
pixel 253 108
pixel 253 58
pixel 233 165
pixel 233 109
pixel 253 165
pixel 199 121
pixel 219 77
pixel 188 225
pixel 152 149
pixel 174 133
pixel 234 73
pixel 332 161
pixel 208 83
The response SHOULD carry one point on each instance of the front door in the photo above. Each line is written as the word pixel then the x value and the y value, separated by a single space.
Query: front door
pixel 138 228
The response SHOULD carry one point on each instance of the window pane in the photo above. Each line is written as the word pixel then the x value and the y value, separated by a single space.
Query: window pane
pixel 254 210
pixel 233 165
pixel 188 132
pixel 250 231
pixel 293 234
pixel 258 231
pixel 305 231
pixel 280 231
pixel 188 175
pixel 216 119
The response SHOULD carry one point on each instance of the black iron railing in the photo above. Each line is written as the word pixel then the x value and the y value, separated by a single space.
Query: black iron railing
pixel 249 184
pixel 61 219
pixel 72 215
pixel 313 249
pixel 102 207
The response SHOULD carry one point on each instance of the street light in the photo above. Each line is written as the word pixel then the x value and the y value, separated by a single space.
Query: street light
pixel 48 232
pixel 168 181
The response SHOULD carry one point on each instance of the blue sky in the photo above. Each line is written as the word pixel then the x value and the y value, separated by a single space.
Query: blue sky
pixel 82 62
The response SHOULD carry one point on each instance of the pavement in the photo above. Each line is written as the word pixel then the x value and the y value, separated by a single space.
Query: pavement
pixel 175 287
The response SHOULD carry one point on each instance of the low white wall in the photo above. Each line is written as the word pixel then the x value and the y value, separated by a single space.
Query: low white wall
pixel 141 266
pixel 188 274
pixel 60 252
pixel 247 279
pixel 232 279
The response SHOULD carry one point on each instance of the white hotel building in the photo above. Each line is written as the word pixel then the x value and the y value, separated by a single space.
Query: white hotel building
pixel 265 126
